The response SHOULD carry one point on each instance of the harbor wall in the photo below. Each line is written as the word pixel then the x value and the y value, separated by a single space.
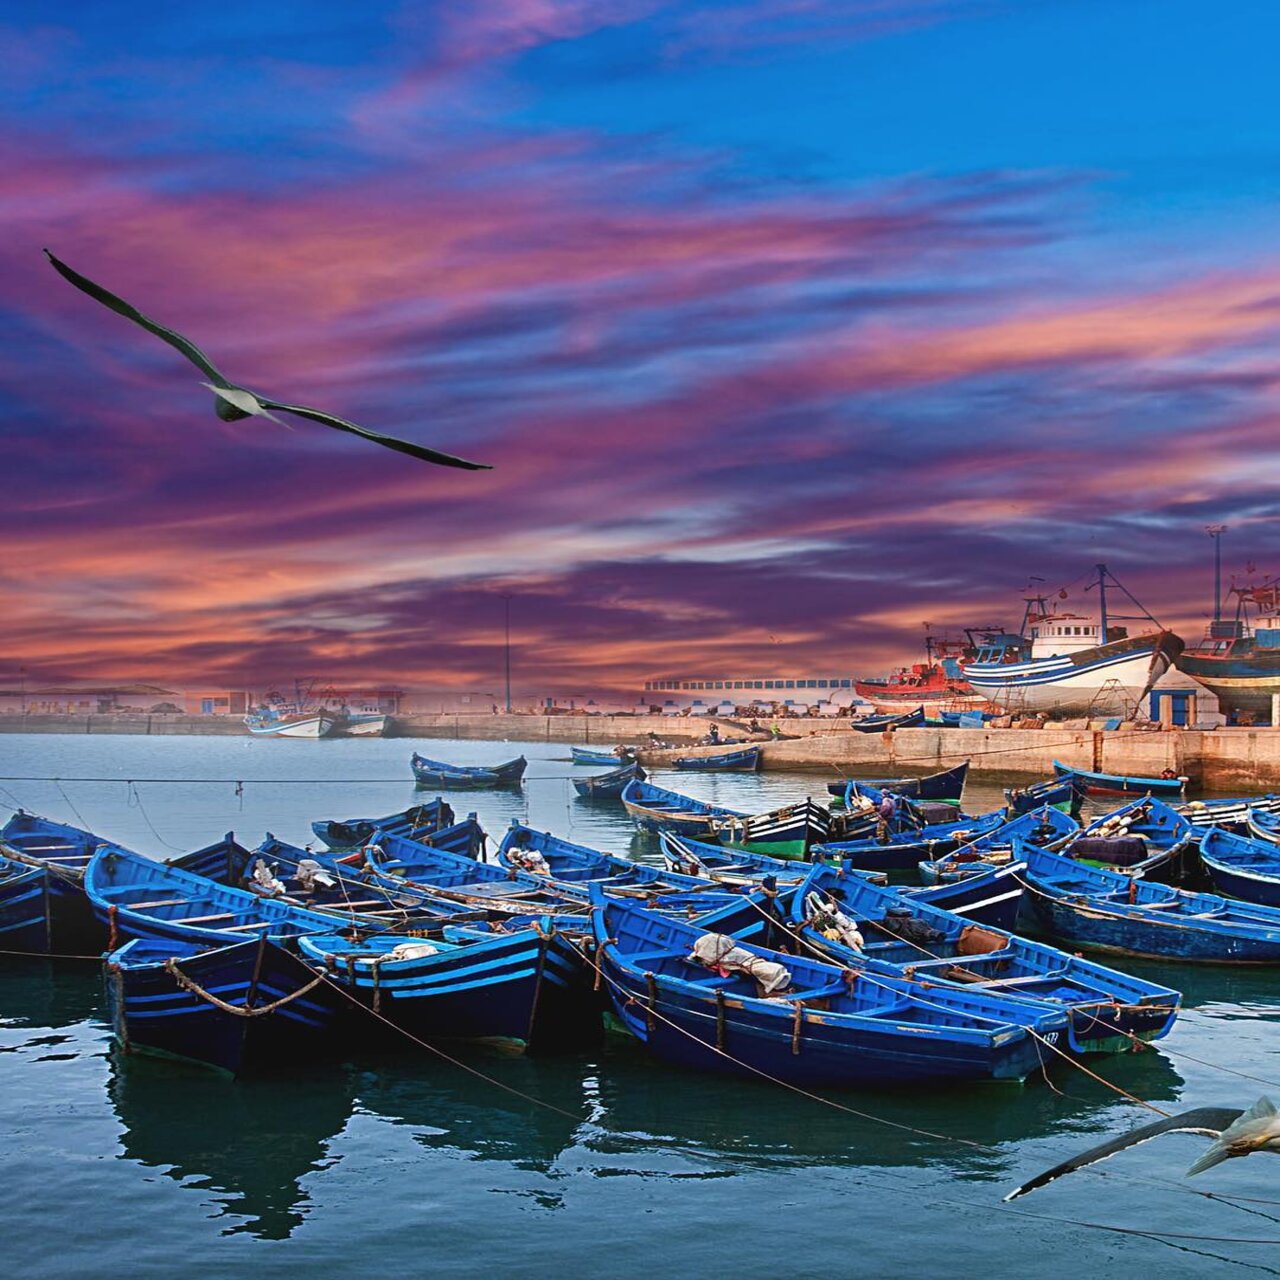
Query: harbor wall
pixel 1218 760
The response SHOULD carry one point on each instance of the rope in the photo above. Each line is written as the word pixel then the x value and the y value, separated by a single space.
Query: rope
pixel 652 1008
pixel 1217 1066
pixel 440 1053
pixel 977 1017
pixel 50 955
pixel 238 1010
pixel 69 802
pixel 275 782
pixel 133 800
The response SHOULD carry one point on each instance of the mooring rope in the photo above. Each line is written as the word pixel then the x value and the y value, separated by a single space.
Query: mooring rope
pixel 188 983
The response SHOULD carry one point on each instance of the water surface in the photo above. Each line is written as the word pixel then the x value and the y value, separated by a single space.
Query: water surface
pixel 409 1166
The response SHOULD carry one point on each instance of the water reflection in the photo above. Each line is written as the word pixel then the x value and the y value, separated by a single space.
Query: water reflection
pixel 247 1144
pixel 763 1126
pixel 450 1109
pixel 41 993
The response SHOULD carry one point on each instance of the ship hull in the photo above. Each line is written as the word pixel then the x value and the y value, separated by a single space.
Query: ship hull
pixel 1240 683
pixel 1108 679
pixel 307 727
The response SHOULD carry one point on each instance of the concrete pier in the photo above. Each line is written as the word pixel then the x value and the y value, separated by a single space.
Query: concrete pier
pixel 1218 760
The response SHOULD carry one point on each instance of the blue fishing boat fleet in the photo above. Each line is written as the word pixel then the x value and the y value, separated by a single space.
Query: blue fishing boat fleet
pixel 861 943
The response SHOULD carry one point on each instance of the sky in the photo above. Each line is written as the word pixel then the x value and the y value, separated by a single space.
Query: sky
pixel 788 326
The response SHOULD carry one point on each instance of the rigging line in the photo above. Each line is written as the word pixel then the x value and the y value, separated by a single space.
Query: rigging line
pixel 70 803
pixel 275 782
pixel 1124 1093
pixel 865 1115
pixel 1149 1232
pixel 440 1053
pixel 146 817
pixel 1217 1066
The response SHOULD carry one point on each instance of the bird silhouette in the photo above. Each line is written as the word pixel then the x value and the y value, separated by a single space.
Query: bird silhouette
pixel 232 402
pixel 1235 1133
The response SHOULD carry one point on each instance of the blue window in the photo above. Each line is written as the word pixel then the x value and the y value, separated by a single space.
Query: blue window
pixel 845 683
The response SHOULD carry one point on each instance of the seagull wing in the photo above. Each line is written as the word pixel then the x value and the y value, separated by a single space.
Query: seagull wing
pixel 121 307
pixel 1207 1120
pixel 389 442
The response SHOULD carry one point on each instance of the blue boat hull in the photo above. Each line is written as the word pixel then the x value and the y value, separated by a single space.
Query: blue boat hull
pixel 1090 930
pixel 823 1056
pixel 1248 888
pixel 44 913
pixel 524 990
pixel 730 761
pixel 584 755
pixel 993 897
pixel 152 1013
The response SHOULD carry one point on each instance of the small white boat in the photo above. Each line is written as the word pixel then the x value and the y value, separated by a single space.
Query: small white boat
pixel 278 724
pixel 365 724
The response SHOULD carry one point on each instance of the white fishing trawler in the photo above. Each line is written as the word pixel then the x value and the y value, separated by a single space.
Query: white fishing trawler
pixel 1073 663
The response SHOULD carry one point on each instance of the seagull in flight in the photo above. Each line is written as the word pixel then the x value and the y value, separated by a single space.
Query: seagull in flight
pixel 232 402
pixel 1235 1133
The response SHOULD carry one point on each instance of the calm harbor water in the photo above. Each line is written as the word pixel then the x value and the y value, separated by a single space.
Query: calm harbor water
pixel 408 1166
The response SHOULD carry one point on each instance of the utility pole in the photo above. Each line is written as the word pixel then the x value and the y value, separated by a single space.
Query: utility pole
pixel 1215 531
pixel 506 602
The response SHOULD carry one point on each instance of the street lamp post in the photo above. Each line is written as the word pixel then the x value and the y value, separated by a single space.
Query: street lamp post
pixel 506 610
pixel 1215 531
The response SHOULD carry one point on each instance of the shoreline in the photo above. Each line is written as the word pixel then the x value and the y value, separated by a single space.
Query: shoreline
pixel 1216 760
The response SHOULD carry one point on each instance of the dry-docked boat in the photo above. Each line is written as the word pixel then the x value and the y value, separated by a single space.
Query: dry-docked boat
pixel 1073 662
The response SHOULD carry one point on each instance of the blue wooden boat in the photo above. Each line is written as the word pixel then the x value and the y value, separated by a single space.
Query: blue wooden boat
pixel 416 822
pixel 588 755
pixel 608 786
pixel 828 1026
pixel 62 852
pixel 905 850
pixel 690 857
pixel 1233 814
pixel 737 759
pixel 995 848
pixel 25 917
pixel 878 724
pixel 1100 910
pixel 462 777
pixel 522 989
pixel 393 860
pixel 990 897
pixel 319 882
pixel 657 809
pixel 1263 824
pixel 944 787
pixel 1065 794
pixel 160 998
pixel 137 897
pixel 787 832
pixel 915 940
pixel 1241 867
pixel 540 853
pixel 1118 784
pixel 1142 838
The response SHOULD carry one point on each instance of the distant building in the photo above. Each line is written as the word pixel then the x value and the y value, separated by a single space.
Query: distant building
pixel 699 692
pixel 434 702
pixel 220 702
pixel 384 698
pixel 731 687
pixel 85 699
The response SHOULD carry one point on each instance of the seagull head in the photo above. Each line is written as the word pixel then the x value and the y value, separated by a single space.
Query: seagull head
pixel 233 403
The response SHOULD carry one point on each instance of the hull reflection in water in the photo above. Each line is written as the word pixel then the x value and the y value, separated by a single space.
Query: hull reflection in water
pixel 244 1145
